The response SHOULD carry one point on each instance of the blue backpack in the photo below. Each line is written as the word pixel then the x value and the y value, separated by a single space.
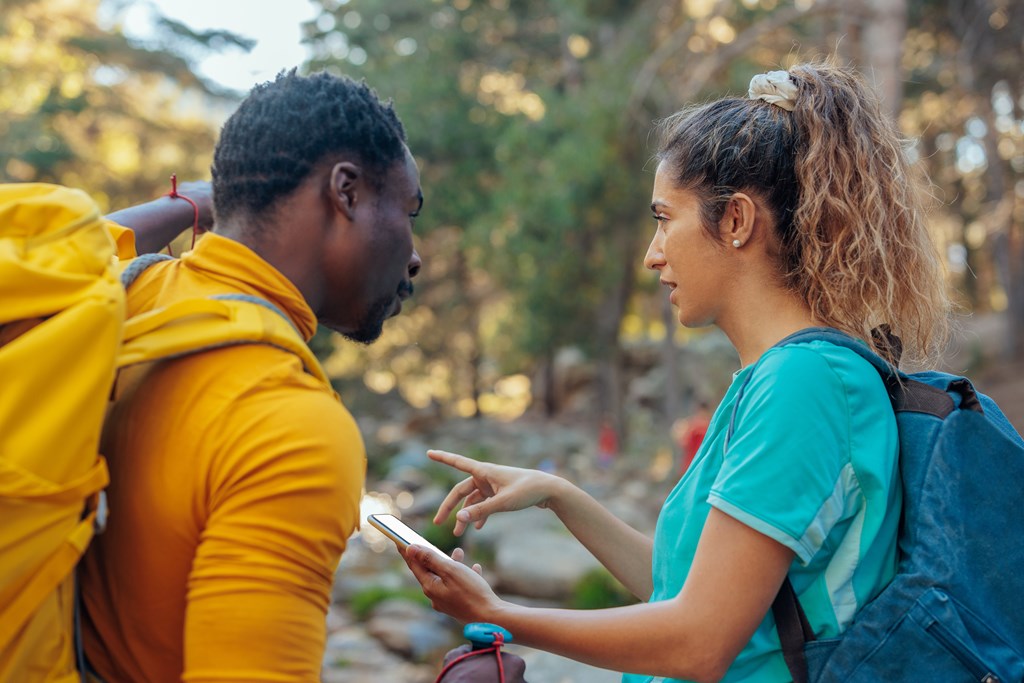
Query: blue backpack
pixel 954 612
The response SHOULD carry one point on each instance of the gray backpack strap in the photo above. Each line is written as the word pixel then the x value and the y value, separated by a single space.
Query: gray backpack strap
pixel 138 265
pixel 259 302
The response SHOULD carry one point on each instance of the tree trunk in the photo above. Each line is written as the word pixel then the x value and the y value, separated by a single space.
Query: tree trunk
pixel 546 391
pixel 472 368
pixel 610 398
pixel 997 213
pixel 611 389
pixel 882 50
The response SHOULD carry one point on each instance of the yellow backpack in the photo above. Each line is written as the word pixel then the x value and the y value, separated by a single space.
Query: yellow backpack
pixel 63 336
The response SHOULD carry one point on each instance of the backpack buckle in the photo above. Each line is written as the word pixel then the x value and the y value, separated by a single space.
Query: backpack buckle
pixel 103 511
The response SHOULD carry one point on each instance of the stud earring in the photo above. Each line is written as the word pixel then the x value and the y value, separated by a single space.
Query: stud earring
pixel 737 244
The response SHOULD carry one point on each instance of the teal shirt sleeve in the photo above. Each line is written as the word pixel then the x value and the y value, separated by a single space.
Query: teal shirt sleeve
pixel 784 467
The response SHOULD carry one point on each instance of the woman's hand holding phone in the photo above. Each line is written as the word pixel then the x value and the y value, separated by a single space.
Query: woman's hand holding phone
pixel 492 488
pixel 452 587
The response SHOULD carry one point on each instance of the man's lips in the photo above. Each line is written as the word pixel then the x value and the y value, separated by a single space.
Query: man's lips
pixel 405 290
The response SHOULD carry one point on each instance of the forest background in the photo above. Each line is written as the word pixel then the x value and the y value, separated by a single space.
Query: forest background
pixel 531 124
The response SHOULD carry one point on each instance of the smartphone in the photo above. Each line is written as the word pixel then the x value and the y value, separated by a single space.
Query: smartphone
pixel 399 532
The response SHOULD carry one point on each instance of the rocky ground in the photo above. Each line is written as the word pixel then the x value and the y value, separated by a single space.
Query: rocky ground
pixel 528 558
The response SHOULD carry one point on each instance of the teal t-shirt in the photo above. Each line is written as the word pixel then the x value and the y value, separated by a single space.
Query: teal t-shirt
pixel 812 464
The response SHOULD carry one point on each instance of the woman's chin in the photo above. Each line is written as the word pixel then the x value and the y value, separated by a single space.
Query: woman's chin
pixel 694 322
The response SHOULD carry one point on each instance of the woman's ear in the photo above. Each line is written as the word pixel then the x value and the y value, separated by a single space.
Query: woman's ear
pixel 343 188
pixel 738 220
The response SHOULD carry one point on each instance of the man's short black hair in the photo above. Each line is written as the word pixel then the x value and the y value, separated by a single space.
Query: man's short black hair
pixel 287 126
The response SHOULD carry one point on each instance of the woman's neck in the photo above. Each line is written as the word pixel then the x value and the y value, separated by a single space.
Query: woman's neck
pixel 763 320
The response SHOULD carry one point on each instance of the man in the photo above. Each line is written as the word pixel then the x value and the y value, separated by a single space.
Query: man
pixel 236 476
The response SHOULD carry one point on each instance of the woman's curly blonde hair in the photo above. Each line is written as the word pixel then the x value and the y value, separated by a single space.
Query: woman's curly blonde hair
pixel 850 233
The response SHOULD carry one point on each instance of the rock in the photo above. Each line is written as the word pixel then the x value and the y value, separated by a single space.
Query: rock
pixel 544 667
pixel 426 501
pixel 363 567
pixel 540 564
pixel 412 630
pixel 502 526
pixel 353 656
pixel 351 648
pixel 409 461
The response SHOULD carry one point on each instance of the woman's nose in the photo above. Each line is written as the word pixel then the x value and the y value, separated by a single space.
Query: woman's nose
pixel 654 259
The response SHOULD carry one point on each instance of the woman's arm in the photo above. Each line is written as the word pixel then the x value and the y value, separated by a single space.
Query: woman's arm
pixel 159 221
pixel 623 550
pixel 696 635
pixel 491 488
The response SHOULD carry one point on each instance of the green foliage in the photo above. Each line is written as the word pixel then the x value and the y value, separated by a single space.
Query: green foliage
pixel 598 589
pixel 521 145
pixel 378 460
pixel 363 602
pixel 535 219
pixel 86 106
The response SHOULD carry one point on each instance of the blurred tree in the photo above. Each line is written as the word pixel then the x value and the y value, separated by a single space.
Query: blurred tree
pixel 404 46
pixel 85 106
pixel 516 145
pixel 964 110
pixel 531 122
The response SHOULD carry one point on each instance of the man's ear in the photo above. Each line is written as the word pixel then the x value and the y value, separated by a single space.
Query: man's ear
pixel 737 224
pixel 344 188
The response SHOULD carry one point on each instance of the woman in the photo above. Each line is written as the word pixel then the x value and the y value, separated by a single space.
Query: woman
pixel 790 209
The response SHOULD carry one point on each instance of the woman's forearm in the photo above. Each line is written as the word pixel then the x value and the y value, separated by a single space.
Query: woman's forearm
pixel 696 635
pixel 653 638
pixel 623 550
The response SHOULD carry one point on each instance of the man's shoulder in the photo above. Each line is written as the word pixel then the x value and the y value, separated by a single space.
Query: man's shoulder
pixel 246 371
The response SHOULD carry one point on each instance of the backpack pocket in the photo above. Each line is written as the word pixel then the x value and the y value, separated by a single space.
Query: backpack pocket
pixel 937 639
pixel 938 616
pixel 931 642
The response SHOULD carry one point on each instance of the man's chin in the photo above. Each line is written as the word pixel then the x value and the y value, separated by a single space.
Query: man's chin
pixel 371 326
pixel 365 337
pixel 368 332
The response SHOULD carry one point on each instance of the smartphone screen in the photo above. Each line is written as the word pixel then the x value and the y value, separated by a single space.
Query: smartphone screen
pixel 399 532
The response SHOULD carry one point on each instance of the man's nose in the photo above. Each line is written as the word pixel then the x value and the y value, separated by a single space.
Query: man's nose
pixel 414 264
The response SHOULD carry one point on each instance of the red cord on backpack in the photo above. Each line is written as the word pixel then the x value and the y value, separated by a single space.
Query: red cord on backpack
pixel 173 194
pixel 499 640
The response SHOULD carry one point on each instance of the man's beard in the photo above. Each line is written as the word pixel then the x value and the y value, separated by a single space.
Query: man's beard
pixel 372 324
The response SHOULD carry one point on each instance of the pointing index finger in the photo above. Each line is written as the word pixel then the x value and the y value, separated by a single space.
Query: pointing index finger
pixel 459 462
pixel 460 491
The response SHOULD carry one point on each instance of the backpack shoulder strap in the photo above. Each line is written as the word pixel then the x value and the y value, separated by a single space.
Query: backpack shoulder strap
pixel 203 323
pixel 838 338
pixel 193 325
pixel 138 265
pixel 791 622
pixel 891 376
